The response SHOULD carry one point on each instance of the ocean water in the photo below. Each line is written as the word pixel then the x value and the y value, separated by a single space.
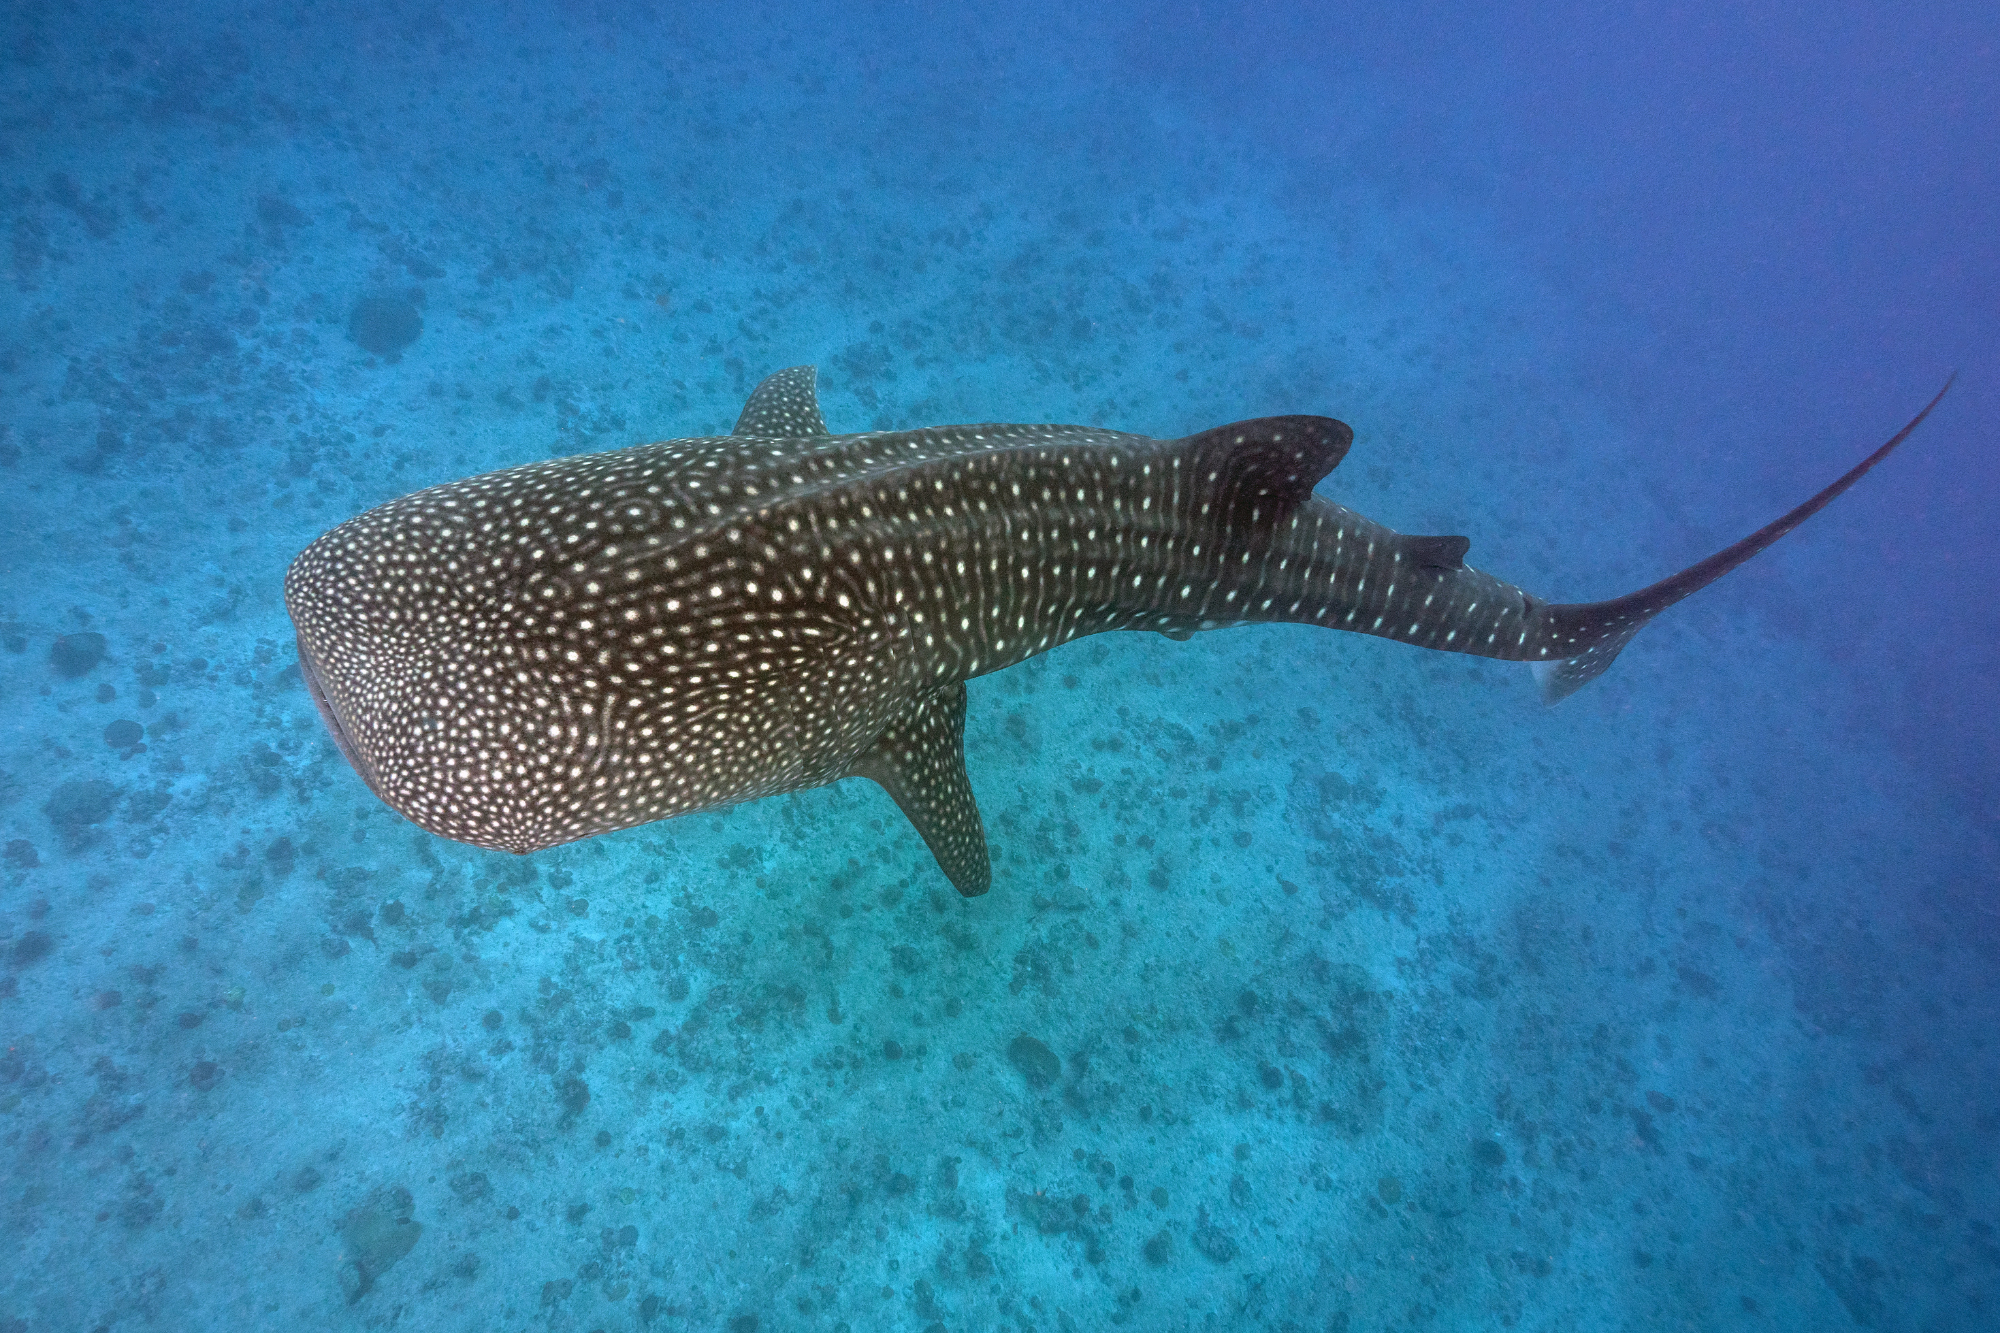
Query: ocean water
pixel 1326 983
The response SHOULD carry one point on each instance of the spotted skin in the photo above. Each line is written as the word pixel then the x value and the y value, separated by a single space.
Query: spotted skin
pixel 559 650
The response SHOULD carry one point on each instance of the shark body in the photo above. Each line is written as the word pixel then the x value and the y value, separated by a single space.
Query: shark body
pixel 538 655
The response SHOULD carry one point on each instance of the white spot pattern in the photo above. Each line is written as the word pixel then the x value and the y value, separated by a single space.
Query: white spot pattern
pixel 558 650
pixel 537 655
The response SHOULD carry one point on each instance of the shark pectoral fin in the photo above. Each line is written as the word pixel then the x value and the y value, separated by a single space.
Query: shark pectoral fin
pixel 920 761
pixel 1265 468
pixel 784 407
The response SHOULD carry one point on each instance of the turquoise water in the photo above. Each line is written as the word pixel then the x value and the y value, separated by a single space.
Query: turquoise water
pixel 1325 983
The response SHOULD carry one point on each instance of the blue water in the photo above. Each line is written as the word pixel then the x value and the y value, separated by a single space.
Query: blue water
pixel 1380 996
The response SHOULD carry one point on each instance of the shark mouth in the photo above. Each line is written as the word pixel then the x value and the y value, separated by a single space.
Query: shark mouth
pixel 331 716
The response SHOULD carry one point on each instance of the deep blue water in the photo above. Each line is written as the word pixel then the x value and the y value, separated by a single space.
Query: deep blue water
pixel 1381 997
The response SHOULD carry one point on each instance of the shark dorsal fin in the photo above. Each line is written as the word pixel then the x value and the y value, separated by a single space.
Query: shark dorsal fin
pixel 1443 554
pixel 1263 469
pixel 784 407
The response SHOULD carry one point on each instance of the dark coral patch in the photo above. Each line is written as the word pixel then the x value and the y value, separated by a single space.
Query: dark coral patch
pixel 384 325
pixel 75 805
pixel 74 654
pixel 1037 1063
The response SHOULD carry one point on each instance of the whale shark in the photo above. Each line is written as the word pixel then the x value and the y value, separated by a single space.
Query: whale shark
pixel 589 643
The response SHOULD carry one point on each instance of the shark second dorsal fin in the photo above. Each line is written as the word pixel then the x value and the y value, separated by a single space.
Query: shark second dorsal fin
pixel 920 761
pixel 1263 469
pixel 784 407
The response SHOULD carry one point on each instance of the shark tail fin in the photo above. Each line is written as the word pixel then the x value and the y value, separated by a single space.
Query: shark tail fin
pixel 1608 626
